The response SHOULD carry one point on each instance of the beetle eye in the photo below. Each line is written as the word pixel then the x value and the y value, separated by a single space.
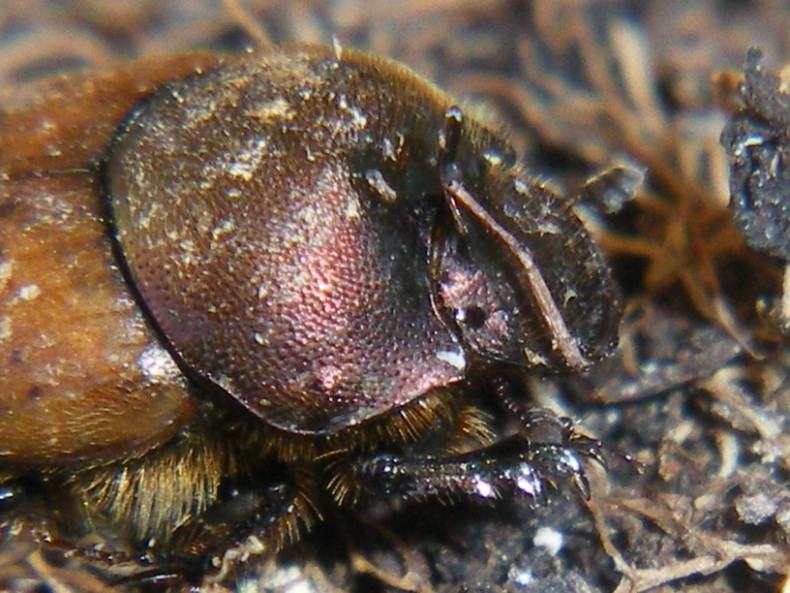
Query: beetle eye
pixel 473 317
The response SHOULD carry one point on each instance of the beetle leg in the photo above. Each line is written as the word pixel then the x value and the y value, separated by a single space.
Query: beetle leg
pixel 256 518
pixel 246 523
pixel 610 189
pixel 517 465
pixel 544 425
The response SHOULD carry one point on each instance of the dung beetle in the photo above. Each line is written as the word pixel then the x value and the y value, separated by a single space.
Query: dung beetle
pixel 234 289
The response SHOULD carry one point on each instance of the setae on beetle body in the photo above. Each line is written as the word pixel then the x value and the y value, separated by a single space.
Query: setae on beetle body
pixel 232 287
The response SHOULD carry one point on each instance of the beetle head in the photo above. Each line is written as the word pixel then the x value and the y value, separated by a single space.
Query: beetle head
pixel 516 276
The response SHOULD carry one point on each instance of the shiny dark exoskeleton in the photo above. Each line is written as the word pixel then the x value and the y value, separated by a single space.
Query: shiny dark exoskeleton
pixel 311 267
pixel 287 221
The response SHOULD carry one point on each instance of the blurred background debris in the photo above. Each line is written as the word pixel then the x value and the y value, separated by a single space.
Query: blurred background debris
pixel 699 393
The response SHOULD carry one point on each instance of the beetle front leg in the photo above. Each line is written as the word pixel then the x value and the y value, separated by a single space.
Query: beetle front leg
pixel 517 465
